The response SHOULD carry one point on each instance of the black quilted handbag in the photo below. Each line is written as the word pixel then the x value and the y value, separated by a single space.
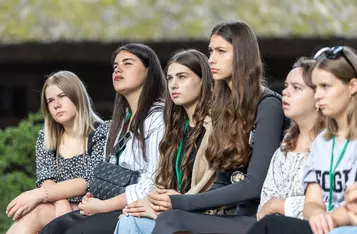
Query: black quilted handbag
pixel 110 180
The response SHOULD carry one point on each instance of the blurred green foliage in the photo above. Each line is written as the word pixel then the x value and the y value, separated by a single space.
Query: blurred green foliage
pixel 108 20
pixel 17 162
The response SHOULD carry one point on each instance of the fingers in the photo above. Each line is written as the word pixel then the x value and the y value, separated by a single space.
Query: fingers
pixel 313 226
pixel 135 210
pixel 162 191
pixel 10 206
pixel 330 222
pixel 13 210
pixel 18 214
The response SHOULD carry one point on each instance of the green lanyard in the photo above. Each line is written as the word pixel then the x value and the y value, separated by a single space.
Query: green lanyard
pixel 333 170
pixel 128 116
pixel 178 156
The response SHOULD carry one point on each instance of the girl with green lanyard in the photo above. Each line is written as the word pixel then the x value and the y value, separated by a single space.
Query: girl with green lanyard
pixel 182 167
pixel 333 152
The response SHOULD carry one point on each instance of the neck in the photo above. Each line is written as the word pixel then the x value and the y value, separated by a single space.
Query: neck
pixel 190 109
pixel 133 100
pixel 306 125
pixel 68 129
pixel 342 125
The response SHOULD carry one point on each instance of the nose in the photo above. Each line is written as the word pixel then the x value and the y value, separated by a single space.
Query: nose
pixel 57 103
pixel 211 59
pixel 285 91
pixel 173 84
pixel 117 69
pixel 317 94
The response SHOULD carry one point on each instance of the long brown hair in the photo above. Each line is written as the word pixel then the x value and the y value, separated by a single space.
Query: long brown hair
pixel 344 68
pixel 234 111
pixel 175 116
pixel 292 133
pixel 152 93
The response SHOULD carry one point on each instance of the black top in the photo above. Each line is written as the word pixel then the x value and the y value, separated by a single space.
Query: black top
pixel 192 156
pixel 269 125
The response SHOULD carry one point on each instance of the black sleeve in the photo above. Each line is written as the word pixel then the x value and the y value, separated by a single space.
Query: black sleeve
pixel 268 132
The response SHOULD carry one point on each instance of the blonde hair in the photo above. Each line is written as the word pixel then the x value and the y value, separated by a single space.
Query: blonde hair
pixel 343 67
pixel 85 117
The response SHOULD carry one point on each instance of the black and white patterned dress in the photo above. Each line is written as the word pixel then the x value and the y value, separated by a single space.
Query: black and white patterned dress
pixel 70 168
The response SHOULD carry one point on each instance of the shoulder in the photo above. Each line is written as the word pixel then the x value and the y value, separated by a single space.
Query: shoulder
pixel 270 106
pixel 319 141
pixel 155 118
pixel 40 137
pixel 101 130
pixel 270 99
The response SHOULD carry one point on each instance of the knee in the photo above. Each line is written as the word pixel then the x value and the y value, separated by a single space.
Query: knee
pixel 170 215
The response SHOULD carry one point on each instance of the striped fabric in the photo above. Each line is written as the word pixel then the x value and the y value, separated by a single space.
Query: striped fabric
pixel 132 157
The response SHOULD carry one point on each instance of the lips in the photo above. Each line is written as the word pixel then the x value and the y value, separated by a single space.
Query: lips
pixel 285 104
pixel 175 94
pixel 59 113
pixel 214 70
pixel 117 78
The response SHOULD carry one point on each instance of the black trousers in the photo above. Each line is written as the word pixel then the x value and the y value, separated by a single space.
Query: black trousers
pixel 278 224
pixel 173 221
pixel 75 223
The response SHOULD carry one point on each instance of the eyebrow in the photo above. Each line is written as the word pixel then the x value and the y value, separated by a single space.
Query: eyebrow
pixel 216 48
pixel 296 83
pixel 48 99
pixel 178 74
pixel 124 60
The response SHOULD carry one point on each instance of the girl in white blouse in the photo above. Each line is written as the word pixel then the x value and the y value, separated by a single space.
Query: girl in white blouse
pixel 282 191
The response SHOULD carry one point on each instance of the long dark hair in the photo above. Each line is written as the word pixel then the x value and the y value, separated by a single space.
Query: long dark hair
pixel 152 93
pixel 175 116
pixel 292 133
pixel 234 111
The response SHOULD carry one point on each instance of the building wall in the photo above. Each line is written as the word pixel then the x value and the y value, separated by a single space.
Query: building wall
pixel 23 68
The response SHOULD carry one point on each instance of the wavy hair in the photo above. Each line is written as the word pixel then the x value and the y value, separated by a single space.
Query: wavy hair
pixel 234 111
pixel 175 116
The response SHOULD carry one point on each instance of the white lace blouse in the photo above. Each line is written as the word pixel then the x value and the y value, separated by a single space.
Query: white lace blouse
pixel 284 181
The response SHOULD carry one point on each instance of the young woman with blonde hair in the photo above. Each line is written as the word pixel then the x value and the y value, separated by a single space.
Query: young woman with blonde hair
pixel 68 148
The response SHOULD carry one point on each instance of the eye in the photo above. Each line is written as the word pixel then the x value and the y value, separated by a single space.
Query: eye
pixel 169 78
pixel 221 51
pixel 296 87
pixel 182 77
pixel 210 50
pixel 324 86
pixel 49 101
pixel 127 64
pixel 62 95
pixel 285 85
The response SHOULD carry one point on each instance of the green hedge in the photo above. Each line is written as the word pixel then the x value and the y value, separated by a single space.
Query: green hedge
pixel 17 162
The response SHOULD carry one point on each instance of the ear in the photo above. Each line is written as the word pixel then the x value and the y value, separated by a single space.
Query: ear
pixel 353 86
